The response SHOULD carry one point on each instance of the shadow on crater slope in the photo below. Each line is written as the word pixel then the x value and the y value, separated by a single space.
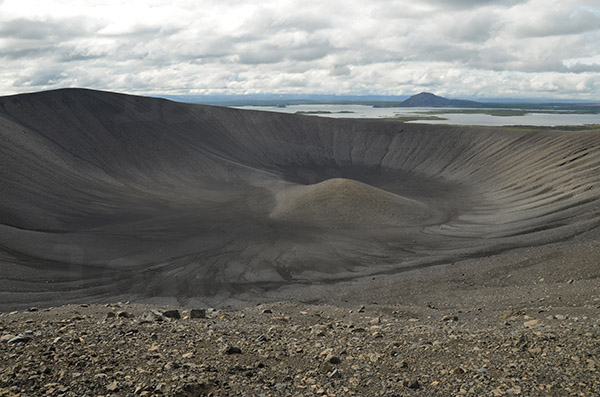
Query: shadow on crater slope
pixel 105 194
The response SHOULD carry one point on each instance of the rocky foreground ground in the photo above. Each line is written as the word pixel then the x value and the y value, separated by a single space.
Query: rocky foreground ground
pixel 293 349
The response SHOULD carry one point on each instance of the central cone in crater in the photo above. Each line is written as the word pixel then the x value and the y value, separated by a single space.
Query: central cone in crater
pixel 346 202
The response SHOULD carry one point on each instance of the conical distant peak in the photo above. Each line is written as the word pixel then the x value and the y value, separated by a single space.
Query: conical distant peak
pixel 424 93
pixel 426 99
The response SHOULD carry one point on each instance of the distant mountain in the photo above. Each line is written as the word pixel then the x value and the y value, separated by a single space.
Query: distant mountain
pixel 427 99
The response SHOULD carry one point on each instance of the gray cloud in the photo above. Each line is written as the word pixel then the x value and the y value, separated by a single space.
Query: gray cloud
pixel 476 28
pixel 17 52
pixel 583 68
pixel 51 29
pixel 43 77
pixel 464 47
pixel 141 31
pixel 273 53
pixel 80 55
pixel 470 4
pixel 340 70
pixel 307 22
pixel 561 21
pixel 267 54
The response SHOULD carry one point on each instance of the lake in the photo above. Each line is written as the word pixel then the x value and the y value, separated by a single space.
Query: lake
pixel 364 111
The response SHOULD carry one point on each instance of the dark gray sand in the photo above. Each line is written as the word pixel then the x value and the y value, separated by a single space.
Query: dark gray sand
pixel 106 196
pixel 406 259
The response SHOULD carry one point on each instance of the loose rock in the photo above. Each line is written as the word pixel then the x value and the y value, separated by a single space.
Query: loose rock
pixel 198 313
pixel 232 350
pixel 124 314
pixel 21 338
pixel 414 384
pixel 450 318
pixel 531 323
pixel 174 314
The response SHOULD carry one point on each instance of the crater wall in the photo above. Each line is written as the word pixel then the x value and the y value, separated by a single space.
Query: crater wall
pixel 103 194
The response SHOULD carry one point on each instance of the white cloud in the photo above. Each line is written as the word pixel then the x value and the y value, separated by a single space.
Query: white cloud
pixel 455 48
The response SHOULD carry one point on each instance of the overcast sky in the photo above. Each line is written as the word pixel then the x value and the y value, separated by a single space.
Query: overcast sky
pixel 456 48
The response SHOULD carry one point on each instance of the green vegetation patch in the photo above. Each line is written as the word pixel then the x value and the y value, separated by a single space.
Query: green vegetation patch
pixel 416 118
pixel 509 112
pixel 322 112
pixel 491 112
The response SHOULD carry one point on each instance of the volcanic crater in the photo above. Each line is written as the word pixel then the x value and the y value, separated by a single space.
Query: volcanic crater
pixel 105 195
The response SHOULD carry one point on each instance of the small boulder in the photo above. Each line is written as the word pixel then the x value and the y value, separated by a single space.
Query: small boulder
pixel 414 384
pixel 174 314
pixel 232 350
pixel 531 323
pixel 198 313
pixel 152 316
pixel 450 318
pixel 332 359
pixel 124 314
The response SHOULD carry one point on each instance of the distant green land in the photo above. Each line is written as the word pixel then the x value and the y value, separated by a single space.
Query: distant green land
pixel 322 112
pixel 416 118
pixel 509 112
